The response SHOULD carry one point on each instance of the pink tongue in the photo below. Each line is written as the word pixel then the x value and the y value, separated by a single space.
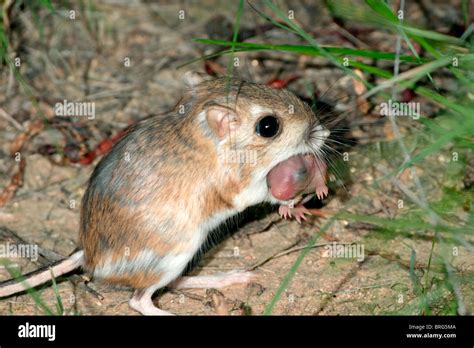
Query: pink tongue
pixel 290 177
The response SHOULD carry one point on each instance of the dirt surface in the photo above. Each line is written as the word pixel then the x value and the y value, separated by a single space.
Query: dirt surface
pixel 83 59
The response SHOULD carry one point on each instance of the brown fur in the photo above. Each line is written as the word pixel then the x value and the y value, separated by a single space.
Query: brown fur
pixel 174 180
pixel 136 280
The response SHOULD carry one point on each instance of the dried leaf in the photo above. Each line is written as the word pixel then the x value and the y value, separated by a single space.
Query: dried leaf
pixel 15 183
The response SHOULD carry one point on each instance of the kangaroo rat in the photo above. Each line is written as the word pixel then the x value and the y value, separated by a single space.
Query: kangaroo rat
pixel 153 199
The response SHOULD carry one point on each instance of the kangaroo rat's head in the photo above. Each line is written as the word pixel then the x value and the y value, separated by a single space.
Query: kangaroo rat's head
pixel 255 128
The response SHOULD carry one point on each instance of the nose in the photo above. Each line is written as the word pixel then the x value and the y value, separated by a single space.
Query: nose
pixel 319 132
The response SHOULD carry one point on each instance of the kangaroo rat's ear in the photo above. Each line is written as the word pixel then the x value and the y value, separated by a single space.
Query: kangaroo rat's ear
pixel 222 120
pixel 193 78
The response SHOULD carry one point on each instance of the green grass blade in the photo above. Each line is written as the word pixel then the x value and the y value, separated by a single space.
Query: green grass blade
pixel 417 288
pixel 378 13
pixel 412 75
pixel 432 148
pixel 413 277
pixel 230 65
pixel 32 292
pixel 372 69
pixel 313 42
pixel 59 302
pixel 313 51
pixel 400 224
pixel 382 9
pixel 465 13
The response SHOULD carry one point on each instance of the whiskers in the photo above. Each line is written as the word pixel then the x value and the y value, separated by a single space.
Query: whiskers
pixel 327 154
pixel 328 143
pixel 329 140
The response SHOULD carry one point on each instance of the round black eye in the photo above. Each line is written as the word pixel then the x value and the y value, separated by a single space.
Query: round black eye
pixel 267 127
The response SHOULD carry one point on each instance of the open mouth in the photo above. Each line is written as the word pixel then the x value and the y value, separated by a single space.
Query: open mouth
pixel 294 176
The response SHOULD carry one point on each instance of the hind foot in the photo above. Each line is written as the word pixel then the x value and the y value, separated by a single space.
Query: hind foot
pixel 219 280
pixel 141 302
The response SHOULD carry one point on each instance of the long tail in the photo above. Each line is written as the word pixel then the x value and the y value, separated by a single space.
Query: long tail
pixel 42 275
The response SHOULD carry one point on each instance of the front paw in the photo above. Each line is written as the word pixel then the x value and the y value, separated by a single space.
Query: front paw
pixel 298 212
pixel 322 191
